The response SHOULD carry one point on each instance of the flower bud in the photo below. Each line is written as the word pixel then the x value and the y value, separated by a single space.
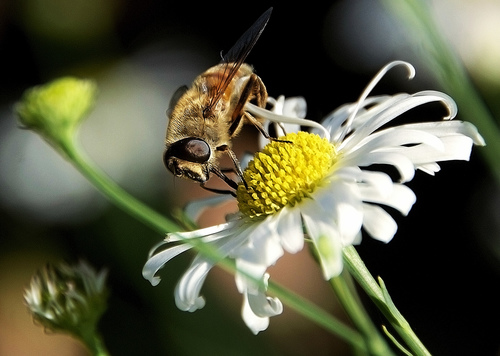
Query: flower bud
pixel 54 109
pixel 67 298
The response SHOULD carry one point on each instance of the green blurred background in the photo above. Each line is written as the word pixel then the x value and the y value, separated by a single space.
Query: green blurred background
pixel 442 267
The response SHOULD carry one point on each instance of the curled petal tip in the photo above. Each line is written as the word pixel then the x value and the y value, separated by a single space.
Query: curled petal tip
pixel 409 67
pixel 155 281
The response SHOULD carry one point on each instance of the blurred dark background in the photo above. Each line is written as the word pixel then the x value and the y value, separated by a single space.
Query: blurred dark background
pixel 441 268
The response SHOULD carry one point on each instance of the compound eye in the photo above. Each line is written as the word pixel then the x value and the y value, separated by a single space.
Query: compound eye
pixel 189 149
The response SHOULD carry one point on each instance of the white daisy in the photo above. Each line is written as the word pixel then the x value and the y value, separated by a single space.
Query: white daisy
pixel 316 186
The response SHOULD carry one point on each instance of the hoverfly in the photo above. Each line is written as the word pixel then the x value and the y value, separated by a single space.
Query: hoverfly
pixel 205 117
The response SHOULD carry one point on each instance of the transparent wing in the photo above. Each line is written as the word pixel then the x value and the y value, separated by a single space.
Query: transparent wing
pixel 235 57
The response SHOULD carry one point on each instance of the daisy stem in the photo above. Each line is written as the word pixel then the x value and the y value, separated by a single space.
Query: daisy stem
pixel 319 316
pixel 115 193
pixel 380 296
pixel 159 223
pixel 95 344
pixel 349 299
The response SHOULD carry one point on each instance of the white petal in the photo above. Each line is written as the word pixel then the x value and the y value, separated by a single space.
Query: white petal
pixel 400 161
pixel 261 250
pixel 379 181
pixel 390 109
pixel 189 286
pixel 268 115
pixel 341 203
pixel 399 136
pixel 215 234
pixel 218 231
pixel 318 221
pixel 244 268
pixel 335 121
pixel 444 98
pixel 378 223
pixel 255 323
pixel 264 306
pixel 325 236
pixel 196 207
pixel 455 148
pixel 449 128
pixel 262 245
pixel 371 85
pixel 295 106
pixel 395 195
pixel 288 226
pixel 358 238
pixel 258 307
pixel 157 261
pixel 187 291
pixel 368 121
pixel 429 168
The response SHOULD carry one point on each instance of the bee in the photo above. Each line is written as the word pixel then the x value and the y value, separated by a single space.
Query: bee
pixel 205 117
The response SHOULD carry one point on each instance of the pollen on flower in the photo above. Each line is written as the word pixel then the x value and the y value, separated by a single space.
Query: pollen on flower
pixel 284 173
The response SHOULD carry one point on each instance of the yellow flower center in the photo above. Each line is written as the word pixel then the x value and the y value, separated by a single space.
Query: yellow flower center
pixel 284 173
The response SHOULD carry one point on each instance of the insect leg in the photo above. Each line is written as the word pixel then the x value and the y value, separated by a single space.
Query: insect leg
pixel 237 170
pixel 261 129
pixel 220 173
pixel 254 90
pixel 218 191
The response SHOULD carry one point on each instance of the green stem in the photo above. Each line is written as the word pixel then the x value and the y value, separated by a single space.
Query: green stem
pixel 161 224
pixel 380 296
pixel 95 344
pixel 100 348
pixel 116 194
pixel 318 316
pixel 375 342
